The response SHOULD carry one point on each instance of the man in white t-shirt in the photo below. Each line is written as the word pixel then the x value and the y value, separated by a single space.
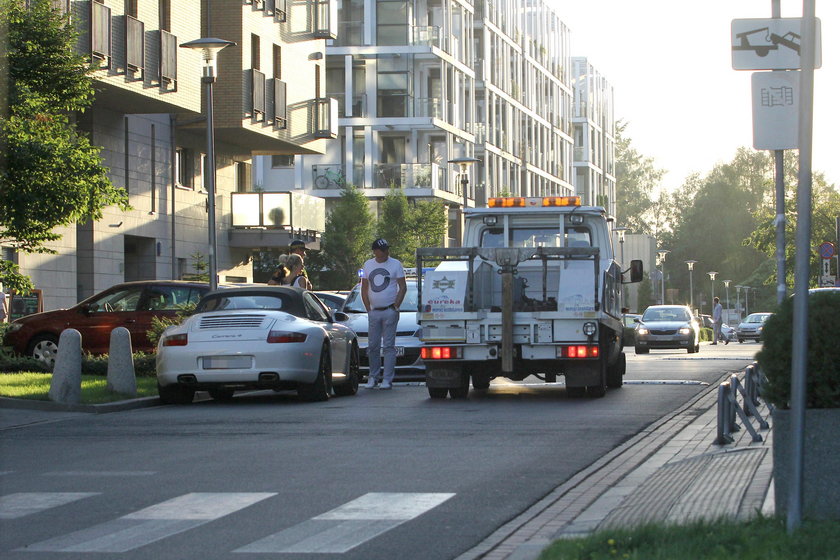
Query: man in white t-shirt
pixel 383 290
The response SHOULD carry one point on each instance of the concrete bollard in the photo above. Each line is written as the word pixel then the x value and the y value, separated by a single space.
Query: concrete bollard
pixel 66 384
pixel 121 377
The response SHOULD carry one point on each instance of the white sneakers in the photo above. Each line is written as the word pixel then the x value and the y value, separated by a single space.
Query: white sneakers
pixel 385 387
pixel 372 383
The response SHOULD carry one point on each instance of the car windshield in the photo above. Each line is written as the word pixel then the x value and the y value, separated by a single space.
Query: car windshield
pixel 756 318
pixel 219 302
pixel 354 303
pixel 666 314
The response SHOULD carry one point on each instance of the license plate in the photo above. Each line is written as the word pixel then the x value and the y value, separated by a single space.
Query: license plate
pixel 226 362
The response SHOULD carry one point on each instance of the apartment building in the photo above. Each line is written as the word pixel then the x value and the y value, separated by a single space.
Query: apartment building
pixel 594 132
pixel 149 119
pixel 422 83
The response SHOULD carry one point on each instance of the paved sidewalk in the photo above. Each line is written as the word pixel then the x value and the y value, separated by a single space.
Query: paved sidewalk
pixel 671 472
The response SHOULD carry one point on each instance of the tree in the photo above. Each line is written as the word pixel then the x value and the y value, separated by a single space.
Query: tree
pixel 636 181
pixel 50 175
pixel 345 244
pixel 409 226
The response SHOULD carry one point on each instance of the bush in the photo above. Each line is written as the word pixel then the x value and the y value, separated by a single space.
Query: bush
pixel 12 363
pixel 823 372
pixel 144 364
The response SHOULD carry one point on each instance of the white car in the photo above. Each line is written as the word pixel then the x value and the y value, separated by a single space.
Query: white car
pixel 751 327
pixel 409 365
pixel 261 337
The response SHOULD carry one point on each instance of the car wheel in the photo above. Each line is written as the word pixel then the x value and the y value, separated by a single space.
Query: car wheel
pixel 175 394
pixel 351 385
pixel 642 350
pixel 740 341
pixel 44 347
pixel 615 372
pixel 320 389
pixel 692 349
pixel 221 393
pixel 438 392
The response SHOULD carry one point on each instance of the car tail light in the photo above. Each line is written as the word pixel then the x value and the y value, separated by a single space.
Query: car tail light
pixel 578 351
pixel 175 340
pixel 440 352
pixel 277 337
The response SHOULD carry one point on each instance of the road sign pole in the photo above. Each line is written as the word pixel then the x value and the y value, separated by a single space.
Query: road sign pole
pixel 803 253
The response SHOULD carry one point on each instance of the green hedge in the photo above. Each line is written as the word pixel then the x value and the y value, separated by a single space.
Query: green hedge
pixel 823 373
pixel 144 364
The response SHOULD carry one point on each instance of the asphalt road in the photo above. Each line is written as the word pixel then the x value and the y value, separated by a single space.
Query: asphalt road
pixel 382 475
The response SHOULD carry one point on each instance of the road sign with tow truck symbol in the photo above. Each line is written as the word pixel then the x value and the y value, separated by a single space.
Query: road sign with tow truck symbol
pixel 770 44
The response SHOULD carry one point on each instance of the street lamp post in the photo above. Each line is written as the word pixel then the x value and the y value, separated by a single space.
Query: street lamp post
pixel 210 48
pixel 662 253
pixel 726 283
pixel 746 300
pixel 738 289
pixel 712 274
pixel 464 164
pixel 621 231
pixel 691 284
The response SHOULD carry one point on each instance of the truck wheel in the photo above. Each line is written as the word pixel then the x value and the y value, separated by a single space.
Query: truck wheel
pixel 481 381
pixel 460 392
pixel 576 392
pixel 599 390
pixel 438 392
pixel 615 372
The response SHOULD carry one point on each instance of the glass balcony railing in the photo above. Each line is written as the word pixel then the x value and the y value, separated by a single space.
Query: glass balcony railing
pixel 408 176
pixel 428 35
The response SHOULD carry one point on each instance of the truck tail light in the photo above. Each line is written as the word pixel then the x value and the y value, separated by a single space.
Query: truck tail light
pixel 175 340
pixel 440 352
pixel 578 351
pixel 278 337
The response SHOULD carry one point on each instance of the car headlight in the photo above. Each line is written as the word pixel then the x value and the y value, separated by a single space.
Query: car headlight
pixel 641 330
pixel 685 330
pixel 758 329
pixel 14 327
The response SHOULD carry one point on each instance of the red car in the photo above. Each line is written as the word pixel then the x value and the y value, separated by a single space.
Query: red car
pixel 131 305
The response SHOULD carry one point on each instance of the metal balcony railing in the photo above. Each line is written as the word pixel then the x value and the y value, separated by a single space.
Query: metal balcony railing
pixel 134 43
pixel 257 95
pixel 426 35
pixel 100 32
pixel 326 118
pixel 168 57
pixel 326 19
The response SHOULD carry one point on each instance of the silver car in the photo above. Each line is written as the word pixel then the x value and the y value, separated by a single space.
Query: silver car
pixel 409 365
pixel 667 326
pixel 751 327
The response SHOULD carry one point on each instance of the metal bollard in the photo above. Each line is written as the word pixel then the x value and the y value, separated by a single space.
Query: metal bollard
pixel 723 415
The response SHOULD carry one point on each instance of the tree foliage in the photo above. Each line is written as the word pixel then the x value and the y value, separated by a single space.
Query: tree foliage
pixel 409 226
pixel 637 180
pixel 345 244
pixel 50 175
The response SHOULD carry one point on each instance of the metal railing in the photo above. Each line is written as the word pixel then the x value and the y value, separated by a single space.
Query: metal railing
pixel 728 407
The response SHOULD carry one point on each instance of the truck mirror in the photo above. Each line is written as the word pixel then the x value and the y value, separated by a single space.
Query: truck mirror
pixel 636 272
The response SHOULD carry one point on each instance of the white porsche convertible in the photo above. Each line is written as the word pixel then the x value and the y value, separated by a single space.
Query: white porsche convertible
pixel 259 337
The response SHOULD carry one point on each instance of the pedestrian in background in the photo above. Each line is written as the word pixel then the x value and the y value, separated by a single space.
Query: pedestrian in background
pixel 295 277
pixel 298 247
pixel 383 290
pixel 717 321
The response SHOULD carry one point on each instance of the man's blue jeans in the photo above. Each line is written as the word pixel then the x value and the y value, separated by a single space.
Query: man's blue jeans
pixel 382 331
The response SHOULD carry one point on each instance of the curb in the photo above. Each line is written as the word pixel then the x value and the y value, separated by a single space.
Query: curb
pixel 104 408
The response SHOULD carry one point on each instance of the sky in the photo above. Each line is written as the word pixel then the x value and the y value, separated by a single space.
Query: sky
pixel 670 64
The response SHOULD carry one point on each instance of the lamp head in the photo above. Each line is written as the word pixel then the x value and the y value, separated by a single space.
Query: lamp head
pixel 726 282
pixel 209 48
pixel 690 264
pixel 464 162
pixel 712 274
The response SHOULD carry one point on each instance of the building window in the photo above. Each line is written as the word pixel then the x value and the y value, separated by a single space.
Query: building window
pixel 391 22
pixel 282 161
pixel 243 177
pixel 255 51
pixel 183 167
pixel 277 62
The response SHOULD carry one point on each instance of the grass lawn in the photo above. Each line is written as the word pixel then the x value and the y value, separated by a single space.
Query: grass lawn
pixel 36 386
pixel 763 538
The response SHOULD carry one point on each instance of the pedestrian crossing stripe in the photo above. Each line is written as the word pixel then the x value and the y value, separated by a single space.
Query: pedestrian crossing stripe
pixel 349 525
pixel 336 531
pixel 13 506
pixel 152 523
